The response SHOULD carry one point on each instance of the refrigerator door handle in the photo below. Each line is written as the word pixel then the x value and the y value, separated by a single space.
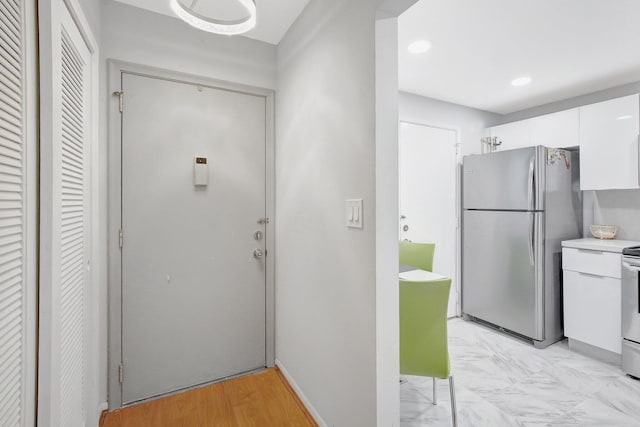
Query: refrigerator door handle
pixel 532 168
pixel 539 268
pixel 532 228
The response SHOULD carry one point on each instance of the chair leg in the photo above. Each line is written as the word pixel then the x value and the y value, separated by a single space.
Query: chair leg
pixel 435 392
pixel 452 390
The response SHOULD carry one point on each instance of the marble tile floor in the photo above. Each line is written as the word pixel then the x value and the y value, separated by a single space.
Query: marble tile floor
pixel 503 382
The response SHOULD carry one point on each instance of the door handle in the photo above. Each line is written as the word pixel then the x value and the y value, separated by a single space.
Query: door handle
pixel 532 228
pixel 258 254
pixel 531 181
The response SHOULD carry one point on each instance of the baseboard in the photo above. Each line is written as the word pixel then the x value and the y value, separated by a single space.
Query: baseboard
pixel 312 411
pixel 103 408
pixel 595 352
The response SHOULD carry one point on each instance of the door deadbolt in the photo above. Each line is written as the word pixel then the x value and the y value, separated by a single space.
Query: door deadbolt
pixel 258 254
pixel 258 235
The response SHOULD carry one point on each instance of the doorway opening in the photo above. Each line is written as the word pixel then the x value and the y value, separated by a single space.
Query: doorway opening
pixel 429 187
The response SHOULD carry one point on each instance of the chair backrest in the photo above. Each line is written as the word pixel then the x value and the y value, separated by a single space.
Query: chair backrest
pixel 423 328
pixel 419 255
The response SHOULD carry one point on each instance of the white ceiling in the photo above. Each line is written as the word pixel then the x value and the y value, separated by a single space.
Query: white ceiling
pixel 274 17
pixel 567 47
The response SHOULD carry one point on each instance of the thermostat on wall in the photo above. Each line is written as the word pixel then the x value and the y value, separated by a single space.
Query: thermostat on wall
pixel 200 172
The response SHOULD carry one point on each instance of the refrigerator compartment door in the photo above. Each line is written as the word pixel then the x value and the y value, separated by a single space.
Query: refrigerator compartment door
pixel 592 262
pixel 500 284
pixel 505 180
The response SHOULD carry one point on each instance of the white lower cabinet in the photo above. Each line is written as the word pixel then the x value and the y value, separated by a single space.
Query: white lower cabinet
pixel 592 310
pixel 592 298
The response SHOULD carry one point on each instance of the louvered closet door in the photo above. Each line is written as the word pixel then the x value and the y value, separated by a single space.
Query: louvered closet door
pixel 74 221
pixel 13 320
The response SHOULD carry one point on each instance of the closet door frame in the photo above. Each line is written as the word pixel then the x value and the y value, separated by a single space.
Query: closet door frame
pixel 31 189
pixel 48 408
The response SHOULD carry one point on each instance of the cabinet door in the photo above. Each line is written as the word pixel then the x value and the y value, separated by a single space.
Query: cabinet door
pixel 557 130
pixel 592 312
pixel 513 135
pixel 609 144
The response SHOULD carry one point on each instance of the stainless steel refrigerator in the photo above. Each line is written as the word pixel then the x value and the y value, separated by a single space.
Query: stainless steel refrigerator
pixel 518 206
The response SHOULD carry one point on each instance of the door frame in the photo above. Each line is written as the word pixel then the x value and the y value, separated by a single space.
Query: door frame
pixel 458 198
pixel 116 68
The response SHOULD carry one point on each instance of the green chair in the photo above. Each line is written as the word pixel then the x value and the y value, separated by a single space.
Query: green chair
pixel 423 333
pixel 419 255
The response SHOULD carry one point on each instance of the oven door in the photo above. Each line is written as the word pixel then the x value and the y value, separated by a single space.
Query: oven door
pixel 631 299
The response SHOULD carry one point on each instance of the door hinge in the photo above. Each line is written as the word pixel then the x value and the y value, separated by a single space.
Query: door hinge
pixel 120 373
pixel 263 221
pixel 120 238
pixel 120 95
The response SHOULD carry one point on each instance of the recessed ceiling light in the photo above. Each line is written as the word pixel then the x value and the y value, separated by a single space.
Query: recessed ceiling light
pixel 521 81
pixel 419 46
pixel 627 117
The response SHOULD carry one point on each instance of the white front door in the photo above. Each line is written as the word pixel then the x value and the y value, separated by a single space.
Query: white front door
pixel 193 278
pixel 428 164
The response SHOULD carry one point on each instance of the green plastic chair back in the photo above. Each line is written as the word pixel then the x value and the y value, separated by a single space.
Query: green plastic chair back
pixel 423 328
pixel 419 255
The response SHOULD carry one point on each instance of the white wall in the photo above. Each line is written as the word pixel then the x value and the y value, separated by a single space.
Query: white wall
pixel 138 36
pixel 92 10
pixel 387 211
pixel 325 154
pixel 470 122
pixel 615 207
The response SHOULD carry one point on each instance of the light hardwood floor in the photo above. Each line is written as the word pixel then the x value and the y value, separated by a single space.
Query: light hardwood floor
pixel 262 399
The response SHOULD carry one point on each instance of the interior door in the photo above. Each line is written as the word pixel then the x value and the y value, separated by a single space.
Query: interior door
pixel 428 168
pixel 66 354
pixel 193 269
pixel 18 175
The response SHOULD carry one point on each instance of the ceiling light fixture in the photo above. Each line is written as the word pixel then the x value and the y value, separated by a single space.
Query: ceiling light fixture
pixel 521 81
pixel 419 46
pixel 217 26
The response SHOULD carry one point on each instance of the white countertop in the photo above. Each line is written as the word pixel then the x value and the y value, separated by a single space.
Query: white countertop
pixel 593 244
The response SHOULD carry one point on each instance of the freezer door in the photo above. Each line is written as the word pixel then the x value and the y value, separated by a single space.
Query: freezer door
pixel 505 180
pixel 501 281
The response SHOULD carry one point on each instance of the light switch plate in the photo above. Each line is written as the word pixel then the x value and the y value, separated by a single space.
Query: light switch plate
pixel 354 213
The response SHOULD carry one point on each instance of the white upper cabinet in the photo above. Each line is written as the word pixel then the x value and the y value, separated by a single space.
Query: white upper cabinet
pixel 609 144
pixel 513 135
pixel 557 130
